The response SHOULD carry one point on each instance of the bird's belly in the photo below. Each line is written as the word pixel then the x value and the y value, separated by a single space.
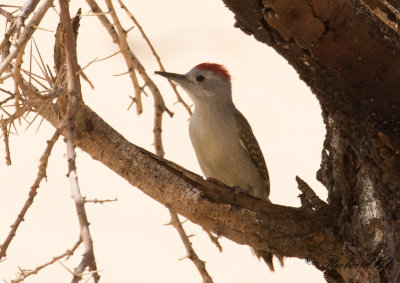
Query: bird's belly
pixel 225 159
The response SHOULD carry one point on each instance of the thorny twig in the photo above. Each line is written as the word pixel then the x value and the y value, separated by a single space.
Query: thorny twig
pixel 74 95
pixel 101 201
pixel 9 17
pixel 123 45
pixel 17 23
pixel 132 17
pixel 26 35
pixel 33 191
pixel 158 100
pixel 7 145
pixel 214 239
pixel 104 20
pixel 26 273
pixel 200 265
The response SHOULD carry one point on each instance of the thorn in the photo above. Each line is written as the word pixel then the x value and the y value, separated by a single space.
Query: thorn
pixel 185 257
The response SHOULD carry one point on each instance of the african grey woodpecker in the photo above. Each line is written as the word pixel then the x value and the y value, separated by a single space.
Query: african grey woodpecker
pixel 223 140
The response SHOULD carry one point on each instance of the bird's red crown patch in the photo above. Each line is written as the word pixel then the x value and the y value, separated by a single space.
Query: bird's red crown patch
pixel 216 68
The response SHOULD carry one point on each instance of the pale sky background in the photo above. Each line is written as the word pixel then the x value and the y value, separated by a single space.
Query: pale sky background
pixel 131 244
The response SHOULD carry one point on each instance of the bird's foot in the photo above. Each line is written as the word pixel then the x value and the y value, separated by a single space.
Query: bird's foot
pixel 237 189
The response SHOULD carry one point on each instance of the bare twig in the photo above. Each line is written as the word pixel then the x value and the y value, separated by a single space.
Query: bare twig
pixel 214 239
pixel 9 17
pixel 7 145
pixel 74 95
pixel 28 7
pixel 158 101
pixel 17 79
pixel 173 85
pixel 201 266
pixel 101 201
pixel 103 19
pixel 26 34
pixel 33 191
pixel 123 45
pixel 18 22
pixel 26 273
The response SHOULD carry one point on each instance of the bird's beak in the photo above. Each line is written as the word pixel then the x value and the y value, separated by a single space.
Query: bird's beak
pixel 175 77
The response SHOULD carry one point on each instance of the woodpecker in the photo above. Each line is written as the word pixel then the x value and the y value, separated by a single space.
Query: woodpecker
pixel 223 140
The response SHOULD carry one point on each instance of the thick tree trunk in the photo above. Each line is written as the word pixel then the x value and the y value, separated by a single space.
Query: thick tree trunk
pixel 348 53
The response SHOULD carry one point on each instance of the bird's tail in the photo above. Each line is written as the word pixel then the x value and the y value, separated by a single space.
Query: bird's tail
pixel 268 258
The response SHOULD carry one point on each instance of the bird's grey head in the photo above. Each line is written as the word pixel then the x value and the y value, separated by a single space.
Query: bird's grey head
pixel 208 84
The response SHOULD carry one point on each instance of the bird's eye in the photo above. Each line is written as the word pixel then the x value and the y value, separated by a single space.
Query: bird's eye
pixel 200 78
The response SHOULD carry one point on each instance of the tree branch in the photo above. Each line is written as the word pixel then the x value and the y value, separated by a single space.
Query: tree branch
pixel 241 218
pixel 26 34
pixel 33 191
pixel 74 96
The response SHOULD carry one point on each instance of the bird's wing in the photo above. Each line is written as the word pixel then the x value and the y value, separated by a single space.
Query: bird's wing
pixel 249 143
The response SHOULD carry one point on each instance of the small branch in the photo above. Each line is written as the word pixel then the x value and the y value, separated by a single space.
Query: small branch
pixel 173 85
pixel 33 191
pixel 7 145
pixel 101 201
pixel 158 100
pixel 124 47
pixel 74 95
pixel 18 22
pixel 9 17
pixel 26 35
pixel 24 274
pixel 201 266
pixel 308 197
pixel 214 239
pixel 103 19
pixel 17 78
pixel 28 7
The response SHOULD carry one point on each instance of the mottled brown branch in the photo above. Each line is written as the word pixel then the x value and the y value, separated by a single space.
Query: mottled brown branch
pixel 32 192
pixel 26 273
pixel 308 196
pixel 74 95
pixel 155 54
pixel 385 12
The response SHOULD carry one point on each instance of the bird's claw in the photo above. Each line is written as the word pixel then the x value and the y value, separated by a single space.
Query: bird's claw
pixel 237 189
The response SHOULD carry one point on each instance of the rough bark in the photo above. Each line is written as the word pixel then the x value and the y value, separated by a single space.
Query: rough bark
pixel 289 231
pixel 347 52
